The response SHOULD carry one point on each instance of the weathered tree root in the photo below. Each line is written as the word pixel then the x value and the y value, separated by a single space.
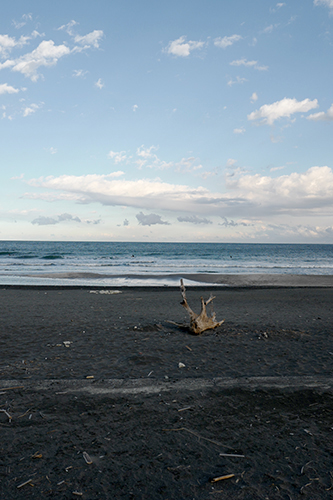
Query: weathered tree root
pixel 199 322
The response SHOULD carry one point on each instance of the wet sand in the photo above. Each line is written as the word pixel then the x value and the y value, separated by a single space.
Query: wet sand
pixel 234 280
pixel 97 370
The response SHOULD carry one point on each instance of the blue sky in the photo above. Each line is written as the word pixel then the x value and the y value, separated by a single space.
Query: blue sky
pixel 167 121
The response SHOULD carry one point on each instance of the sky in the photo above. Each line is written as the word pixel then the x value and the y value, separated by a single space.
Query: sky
pixel 187 120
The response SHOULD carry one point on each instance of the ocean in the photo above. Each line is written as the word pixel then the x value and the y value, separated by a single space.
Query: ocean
pixel 151 264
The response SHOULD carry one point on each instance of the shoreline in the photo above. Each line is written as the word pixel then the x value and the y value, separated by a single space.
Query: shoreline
pixel 172 280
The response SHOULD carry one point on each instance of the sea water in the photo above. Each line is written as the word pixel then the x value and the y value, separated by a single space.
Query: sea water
pixel 127 263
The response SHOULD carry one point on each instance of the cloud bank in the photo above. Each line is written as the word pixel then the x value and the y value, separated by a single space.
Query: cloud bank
pixel 308 193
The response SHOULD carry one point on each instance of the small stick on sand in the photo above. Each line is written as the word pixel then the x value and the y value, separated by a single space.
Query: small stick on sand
pixel 198 436
pixel 11 388
pixel 23 414
pixel 231 455
pixel 24 484
pixel 302 469
pixel 6 413
pixel 221 478
pixel 87 458
pixel 301 490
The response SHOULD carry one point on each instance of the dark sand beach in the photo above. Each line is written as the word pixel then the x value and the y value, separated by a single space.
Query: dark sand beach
pixel 104 396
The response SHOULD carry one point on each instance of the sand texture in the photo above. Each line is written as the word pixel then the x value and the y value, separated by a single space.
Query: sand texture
pixel 103 397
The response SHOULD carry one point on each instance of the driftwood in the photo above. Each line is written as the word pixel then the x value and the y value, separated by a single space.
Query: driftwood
pixel 199 322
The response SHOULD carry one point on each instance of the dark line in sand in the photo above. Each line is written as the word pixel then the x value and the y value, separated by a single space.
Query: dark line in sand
pixel 144 386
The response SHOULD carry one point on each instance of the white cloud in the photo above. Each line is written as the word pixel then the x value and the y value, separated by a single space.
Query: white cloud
pixel 147 158
pixel 209 173
pixel 79 73
pixel 6 64
pixel 301 194
pixel 7 89
pixel 243 62
pixel 268 29
pixel 326 3
pixel 285 232
pixel 239 130
pixel 269 113
pixel 35 34
pixel 226 41
pixel 150 219
pixel 146 152
pixel 188 165
pixel 117 156
pixel 46 54
pixel 249 64
pixel 99 84
pixel 275 169
pixel 135 107
pixel 306 191
pixel 238 80
pixel 7 43
pixel 322 116
pixel 91 39
pixel 25 18
pixel 231 163
pixel 277 7
pixel 68 27
pixel 254 97
pixel 29 110
pixel 143 193
pixel 18 25
pixel 181 48
pixel 275 139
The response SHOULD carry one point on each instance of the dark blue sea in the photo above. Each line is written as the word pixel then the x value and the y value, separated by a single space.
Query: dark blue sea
pixel 119 264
